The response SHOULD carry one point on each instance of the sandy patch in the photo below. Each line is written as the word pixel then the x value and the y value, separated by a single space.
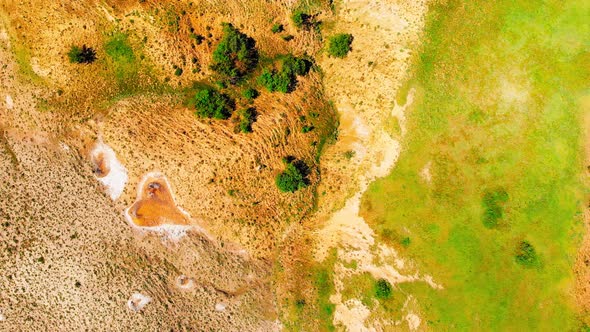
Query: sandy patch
pixel 9 102
pixel 425 172
pixel 138 301
pixel 384 32
pixel 413 321
pixel 353 314
pixel 108 170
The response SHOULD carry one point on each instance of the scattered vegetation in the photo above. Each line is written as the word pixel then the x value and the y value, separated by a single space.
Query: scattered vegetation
pixel 294 177
pixel 285 79
pixel 339 45
pixel 307 128
pixel 235 55
pixel 492 205
pixel 349 154
pixel 209 103
pixel 82 54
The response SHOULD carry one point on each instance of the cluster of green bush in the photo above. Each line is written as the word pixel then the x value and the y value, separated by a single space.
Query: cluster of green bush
pixel 492 205
pixel 81 54
pixel 210 103
pixel 247 118
pixel 277 27
pixel 285 79
pixel 235 55
pixel 294 177
pixel 526 255
pixel 382 289
pixel 339 45
pixel 302 19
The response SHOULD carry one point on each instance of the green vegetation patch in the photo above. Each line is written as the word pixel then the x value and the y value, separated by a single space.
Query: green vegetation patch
pixel 122 59
pixel 339 45
pixel 294 177
pixel 497 105
pixel 235 55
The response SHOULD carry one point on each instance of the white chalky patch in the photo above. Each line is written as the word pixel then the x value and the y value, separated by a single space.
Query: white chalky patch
pixel 137 301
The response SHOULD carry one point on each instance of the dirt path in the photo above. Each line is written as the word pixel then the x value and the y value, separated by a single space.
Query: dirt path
pixel 386 35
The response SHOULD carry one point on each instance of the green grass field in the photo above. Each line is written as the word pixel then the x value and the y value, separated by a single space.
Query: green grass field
pixel 498 114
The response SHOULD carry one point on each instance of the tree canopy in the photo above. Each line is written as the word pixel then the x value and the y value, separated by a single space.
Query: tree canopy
pixel 209 103
pixel 236 53
pixel 294 177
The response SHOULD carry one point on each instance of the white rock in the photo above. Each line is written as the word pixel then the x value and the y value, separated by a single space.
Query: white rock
pixel 220 307
pixel 9 102
pixel 2 317
pixel 137 301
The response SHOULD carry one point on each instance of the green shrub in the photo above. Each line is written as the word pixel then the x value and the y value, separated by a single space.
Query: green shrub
pixel 492 205
pixel 301 19
pixel 526 255
pixel 294 177
pixel 81 54
pixel 276 28
pixel 306 129
pixel 339 45
pixel 209 103
pixel 382 289
pixel 178 71
pixel 250 93
pixel 288 37
pixel 247 118
pixel 235 55
pixel 198 38
pixel 285 79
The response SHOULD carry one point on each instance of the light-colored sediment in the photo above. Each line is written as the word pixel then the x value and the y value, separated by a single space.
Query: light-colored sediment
pixel 108 169
pixel 386 33
pixel 138 301
pixel 220 306
pixel 9 102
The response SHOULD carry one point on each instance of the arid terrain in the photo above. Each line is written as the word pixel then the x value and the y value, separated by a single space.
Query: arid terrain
pixel 299 165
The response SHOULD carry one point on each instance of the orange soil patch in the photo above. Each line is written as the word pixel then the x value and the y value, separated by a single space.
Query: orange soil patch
pixel 155 204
